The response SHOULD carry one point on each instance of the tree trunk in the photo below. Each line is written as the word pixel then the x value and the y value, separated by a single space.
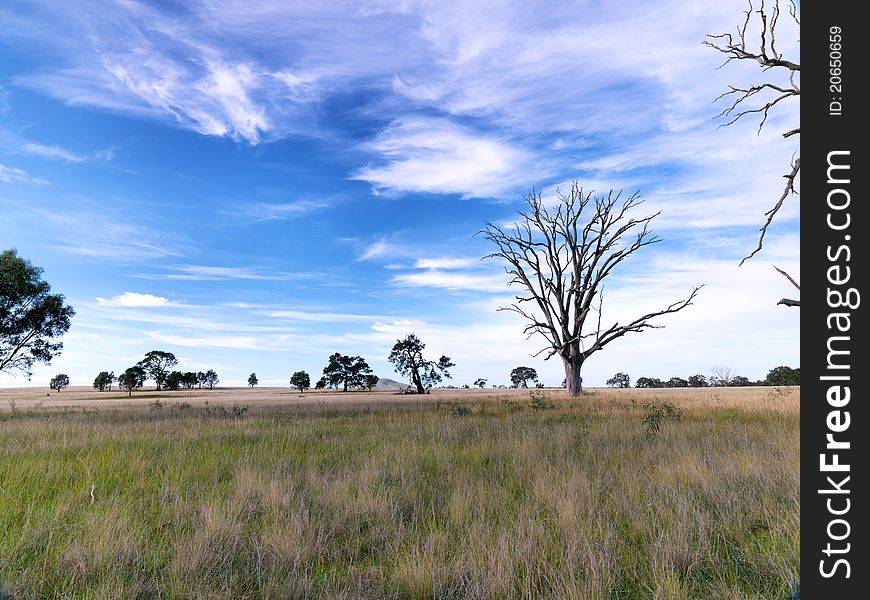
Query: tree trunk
pixel 573 380
pixel 417 380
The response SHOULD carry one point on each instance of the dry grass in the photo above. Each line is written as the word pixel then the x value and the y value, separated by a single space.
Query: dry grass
pixel 460 494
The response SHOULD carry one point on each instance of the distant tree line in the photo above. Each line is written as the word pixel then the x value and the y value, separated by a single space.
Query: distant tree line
pixel 157 365
pixel 721 377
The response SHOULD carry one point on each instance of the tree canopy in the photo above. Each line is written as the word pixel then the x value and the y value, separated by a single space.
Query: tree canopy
pixel 620 380
pixel 132 379
pixel 345 371
pixel 301 381
pixel 59 381
pixel 407 356
pixel 31 318
pixel 104 380
pixel 521 376
pixel 156 365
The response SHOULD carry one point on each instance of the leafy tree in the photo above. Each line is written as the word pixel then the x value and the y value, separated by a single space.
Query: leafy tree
pixel 649 382
pixel 189 379
pixel 200 378
pixel 345 371
pixel 783 375
pixel 31 318
pixel 132 379
pixel 252 379
pixel 521 376
pixel 104 381
pixel 59 381
pixel 407 356
pixel 480 382
pixel 301 381
pixel 561 256
pixel 698 381
pixel 156 365
pixel 211 379
pixel 620 380
pixel 174 380
pixel 370 381
pixel 321 383
pixel 766 94
pixel 677 382
pixel 740 380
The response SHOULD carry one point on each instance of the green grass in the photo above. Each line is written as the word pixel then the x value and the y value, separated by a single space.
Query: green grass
pixel 402 500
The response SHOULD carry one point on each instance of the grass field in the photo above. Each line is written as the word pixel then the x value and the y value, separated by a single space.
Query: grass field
pixel 458 494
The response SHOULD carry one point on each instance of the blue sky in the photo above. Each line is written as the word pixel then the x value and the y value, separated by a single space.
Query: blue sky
pixel 256 185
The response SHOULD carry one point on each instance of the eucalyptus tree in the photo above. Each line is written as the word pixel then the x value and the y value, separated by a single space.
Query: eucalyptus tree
pixel 345 371
pixel 157 364
pixel 407 356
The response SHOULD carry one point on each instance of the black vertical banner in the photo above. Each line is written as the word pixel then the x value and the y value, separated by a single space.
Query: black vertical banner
pixel 835 483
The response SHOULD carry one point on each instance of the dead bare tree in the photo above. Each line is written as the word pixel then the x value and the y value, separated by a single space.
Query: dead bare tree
pixel 760 98
pixel 562 263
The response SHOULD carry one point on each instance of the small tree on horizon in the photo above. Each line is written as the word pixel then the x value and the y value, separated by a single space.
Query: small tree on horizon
pixel 783 375
pixel 521 376
pixel 345 371
pixel 252 380
pixel 174 380
pixel 132 379
pixel 189 379
pixel 301 381
pixel 211 379
pixel 649 382
pixel 722 376
pixel 370 381
pixel 407 356
pixel 480 382
pixel 157 364
pixel 698 381
pixel 59 381
pixel 620 380
pixel 104 381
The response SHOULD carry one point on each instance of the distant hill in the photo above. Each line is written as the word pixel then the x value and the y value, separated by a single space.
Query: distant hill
pixel 390 384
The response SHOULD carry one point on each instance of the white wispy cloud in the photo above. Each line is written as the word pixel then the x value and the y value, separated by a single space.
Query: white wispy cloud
pixel 103 236
pixel 435 155
pixel 16 175
pixel 233 342
pixel 136 300
pixel 215 273
pixel 452 281
pixel 53 152
pixel 264 211
pixel 381 249
pixel 446 262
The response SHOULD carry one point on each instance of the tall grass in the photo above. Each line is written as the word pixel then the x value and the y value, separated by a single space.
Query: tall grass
pixel 405 500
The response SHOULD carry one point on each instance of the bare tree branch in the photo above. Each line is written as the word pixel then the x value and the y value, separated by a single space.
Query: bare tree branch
pixel 788 301
pixel 789 189
pixel 763 51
